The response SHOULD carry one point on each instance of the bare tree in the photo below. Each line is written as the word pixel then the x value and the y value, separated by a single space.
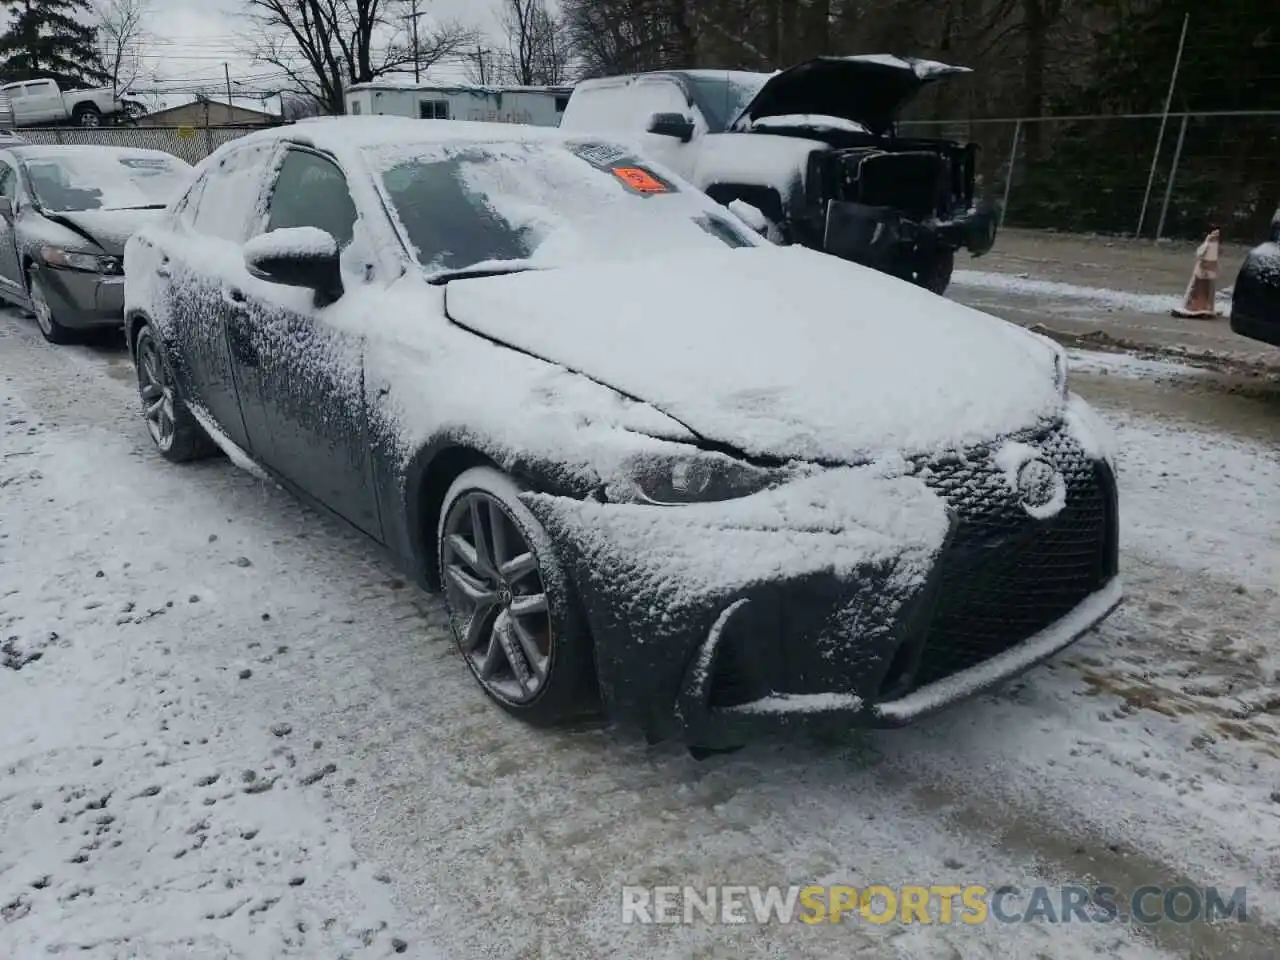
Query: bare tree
pixel 324 46
pixel 119 25
pixel 298 106
pixel 537 43
pixel 483 65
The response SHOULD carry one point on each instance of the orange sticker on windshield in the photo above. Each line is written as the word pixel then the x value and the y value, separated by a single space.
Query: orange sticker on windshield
pixel 640 180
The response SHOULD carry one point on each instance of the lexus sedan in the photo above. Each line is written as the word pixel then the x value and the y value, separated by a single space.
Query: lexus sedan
pixel 65 214
pixel 1255 298
pixel 654 463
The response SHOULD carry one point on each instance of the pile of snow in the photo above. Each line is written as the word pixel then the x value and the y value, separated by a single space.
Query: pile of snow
pixel 1100 297
pixel 812 121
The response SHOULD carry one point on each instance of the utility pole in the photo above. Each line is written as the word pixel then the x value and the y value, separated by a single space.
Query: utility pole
pixel 226 72
pixel 412 16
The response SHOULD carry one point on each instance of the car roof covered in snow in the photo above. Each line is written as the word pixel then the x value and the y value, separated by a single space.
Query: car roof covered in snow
pixel 348 136
pixel 25 148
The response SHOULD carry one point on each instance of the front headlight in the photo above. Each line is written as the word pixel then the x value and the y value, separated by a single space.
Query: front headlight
pixel 697 478
pixel 88 262
pixel 1060 373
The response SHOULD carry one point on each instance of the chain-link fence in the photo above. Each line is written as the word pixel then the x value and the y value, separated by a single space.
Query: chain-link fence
pixel 192 144
pixel 1141 175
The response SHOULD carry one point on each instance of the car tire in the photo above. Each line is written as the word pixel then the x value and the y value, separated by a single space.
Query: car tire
pixel 87 115
pixel 42 310
pixel 935 272
pixel 514 614
pixel 175 432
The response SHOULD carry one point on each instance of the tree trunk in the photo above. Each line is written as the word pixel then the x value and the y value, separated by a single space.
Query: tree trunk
pixel 683 47
pixel 817 28
pixel 1036 30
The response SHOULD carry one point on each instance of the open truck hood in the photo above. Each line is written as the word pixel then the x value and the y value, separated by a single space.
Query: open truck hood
pixel 871 89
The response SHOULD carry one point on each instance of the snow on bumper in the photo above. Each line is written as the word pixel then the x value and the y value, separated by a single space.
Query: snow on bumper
pixel 853 597
pixel 809 588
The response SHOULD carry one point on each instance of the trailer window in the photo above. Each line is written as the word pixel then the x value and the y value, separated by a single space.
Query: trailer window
pixel 433 109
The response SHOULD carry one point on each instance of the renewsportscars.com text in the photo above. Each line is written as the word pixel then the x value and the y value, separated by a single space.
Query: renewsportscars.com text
pixel 930 904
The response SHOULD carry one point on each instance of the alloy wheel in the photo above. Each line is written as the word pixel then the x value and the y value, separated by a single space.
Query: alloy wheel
pixel 40 307
pixel 495 591
pixel 156 390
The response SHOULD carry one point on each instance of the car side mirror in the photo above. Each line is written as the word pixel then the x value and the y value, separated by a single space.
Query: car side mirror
pixel 672 125
pixel 6 208
pixel 297 257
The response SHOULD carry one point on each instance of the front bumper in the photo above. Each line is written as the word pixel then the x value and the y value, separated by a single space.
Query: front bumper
pixel 697 643
pixel 81 300
pixel 881 236
pixel 720 727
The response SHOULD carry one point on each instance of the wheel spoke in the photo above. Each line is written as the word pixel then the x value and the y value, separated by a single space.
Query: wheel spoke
pixel 493 654
pixel 519 567
pixel 150 392
pixel 477 631
pixel 475 590
pixel 533 603
pixel 466 553
pixel 498 535
pixel 154 410
pixel 504 634
pixel 484 564
pixel 533 654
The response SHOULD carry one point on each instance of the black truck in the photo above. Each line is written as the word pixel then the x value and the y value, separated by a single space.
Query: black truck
pixel 812 153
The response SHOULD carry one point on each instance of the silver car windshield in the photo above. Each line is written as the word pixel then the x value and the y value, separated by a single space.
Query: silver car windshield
pixel 543 203
pixel 65 183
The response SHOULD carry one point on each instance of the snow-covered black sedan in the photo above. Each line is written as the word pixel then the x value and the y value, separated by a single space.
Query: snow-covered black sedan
pixel 1255 297
pixel 650 458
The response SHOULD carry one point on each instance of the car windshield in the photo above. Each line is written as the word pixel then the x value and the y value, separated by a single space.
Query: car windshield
pixel 481 205
pixel 106 180
pixel 722 95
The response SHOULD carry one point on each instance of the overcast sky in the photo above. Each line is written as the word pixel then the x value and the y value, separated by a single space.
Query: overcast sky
pixel 189 40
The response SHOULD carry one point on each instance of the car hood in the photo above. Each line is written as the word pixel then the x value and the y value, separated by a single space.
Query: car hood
pixel 780 352
pixel 870 90
pixel 109 229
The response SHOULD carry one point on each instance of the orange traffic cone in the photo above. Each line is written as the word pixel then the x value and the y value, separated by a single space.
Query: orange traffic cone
pixel 1200 300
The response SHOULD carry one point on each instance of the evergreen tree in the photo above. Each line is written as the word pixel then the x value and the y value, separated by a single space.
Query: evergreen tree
pixel 51 38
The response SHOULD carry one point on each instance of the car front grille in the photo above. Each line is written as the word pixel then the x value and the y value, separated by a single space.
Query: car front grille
pixel 1006 575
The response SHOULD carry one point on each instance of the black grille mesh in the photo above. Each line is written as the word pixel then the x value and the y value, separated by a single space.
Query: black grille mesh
pixel 1007 576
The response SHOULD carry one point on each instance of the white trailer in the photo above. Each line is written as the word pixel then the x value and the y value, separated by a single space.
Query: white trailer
pixel 539 106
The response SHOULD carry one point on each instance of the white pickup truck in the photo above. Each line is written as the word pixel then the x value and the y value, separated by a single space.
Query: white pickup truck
pixel 40 102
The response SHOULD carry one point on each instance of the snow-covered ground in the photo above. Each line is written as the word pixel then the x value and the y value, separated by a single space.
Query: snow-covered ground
pixel 229 729
pixel 1100 298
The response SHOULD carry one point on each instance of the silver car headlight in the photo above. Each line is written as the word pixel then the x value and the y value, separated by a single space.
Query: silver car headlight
pixel 1060 372
pixel 696 478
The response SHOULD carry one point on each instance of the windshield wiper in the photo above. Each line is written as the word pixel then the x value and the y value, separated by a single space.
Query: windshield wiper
pixel 477 270
pixel 145 206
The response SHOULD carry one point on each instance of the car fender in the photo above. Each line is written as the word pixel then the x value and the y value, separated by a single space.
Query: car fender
pixel 758 165
pixel 417 489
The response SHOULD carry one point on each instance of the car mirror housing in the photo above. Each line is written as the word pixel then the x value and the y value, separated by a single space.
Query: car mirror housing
pixel 6 208
pixel 672 125
pixel 297 257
